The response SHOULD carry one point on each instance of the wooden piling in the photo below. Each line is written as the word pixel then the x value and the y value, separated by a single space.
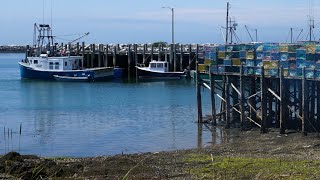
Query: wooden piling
pixel 171 58
pixel 175 57
pixel 114 56
pixel 304 102
pixel 144 60
pixel 190 56
pixel 263 102
pixel 129 61
pixel 78 49
pixel 227 104
pixel 198 84
pixel 106 59
pixel 135 49
pixel 159 52
pixel 99 55
pixel 213 101
pixel 83 52
pixel 242 98
pixel 181 57
pixel 152 52
pixel 93 53
pixel 282 103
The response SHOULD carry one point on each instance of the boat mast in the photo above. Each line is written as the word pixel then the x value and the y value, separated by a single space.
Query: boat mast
pixel 227 23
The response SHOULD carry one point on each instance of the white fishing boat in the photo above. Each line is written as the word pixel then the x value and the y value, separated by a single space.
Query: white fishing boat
pixel 48 63
pixel 158 70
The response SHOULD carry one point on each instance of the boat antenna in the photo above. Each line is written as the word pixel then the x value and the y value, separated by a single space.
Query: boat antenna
pixel 51 14
pixel 311 19
pixel 227 22
pixel 43 11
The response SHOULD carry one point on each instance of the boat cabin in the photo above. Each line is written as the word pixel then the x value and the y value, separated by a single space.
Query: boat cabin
pixel 55 63
pixel 161 66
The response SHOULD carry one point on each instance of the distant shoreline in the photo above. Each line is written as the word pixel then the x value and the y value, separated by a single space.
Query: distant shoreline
pixel 12 49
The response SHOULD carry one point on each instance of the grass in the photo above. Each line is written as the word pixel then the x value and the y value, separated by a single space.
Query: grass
pixel 252 168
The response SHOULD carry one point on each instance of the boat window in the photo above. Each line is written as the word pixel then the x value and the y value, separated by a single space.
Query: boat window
pixel 56 65
pixel 153 65
pixel 50 65
pixel 159 65
pixel 165 64
pixel 35 62
pixel 30 61
pixel 65 63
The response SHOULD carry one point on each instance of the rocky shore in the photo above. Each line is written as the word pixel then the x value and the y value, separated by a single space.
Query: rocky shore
pixel 243 155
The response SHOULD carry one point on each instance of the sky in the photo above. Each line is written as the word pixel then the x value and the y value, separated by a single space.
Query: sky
pixel 144 21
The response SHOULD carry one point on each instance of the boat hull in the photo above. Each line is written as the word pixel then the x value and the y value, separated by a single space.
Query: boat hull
pixel 145 74
pixel 95 74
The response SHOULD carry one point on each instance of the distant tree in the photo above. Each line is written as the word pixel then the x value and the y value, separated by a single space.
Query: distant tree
pixel 158 44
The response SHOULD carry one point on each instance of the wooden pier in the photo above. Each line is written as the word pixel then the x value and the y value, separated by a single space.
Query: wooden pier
pixel 127 56
pixel 261 99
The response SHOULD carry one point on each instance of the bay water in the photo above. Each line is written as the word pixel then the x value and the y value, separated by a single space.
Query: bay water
pixel 94 119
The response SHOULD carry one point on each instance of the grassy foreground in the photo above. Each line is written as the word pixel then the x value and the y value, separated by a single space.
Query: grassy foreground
pixel 240 155
pixel 252 168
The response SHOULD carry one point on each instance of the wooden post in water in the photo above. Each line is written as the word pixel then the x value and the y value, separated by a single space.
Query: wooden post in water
pixel 151 55
pixel 129 61
pixel 318 107
pixel 213 101
pixel 252 101
pixel 144 54
pixel 181 57
pixel 171 57
pixel 227 104
pixel 135 47
pixel 166 56
pixel 78 49
pixel 27 51
pixel 175 57
pixel 198 84
pixel 106 52
pixel 114 56
pixel 190 56
pixel 242 99
pixel 304 102
pixel 159 52
pixel 93 53
pixel 83 52
pixel 263 102
pixel 282 103
pixel 99 55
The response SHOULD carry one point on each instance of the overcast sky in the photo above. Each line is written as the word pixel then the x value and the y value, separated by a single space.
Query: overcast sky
pixel 144 21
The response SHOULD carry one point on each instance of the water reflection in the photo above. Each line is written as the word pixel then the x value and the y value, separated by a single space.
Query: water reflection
pixel 219 135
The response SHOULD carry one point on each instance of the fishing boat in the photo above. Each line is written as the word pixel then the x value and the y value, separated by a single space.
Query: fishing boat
pixel 158 70
pixel 47 62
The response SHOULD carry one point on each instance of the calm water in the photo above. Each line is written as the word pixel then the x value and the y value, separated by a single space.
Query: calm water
pixel 90 119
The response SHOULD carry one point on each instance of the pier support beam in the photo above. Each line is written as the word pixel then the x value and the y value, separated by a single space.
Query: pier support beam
pixel 213 101
pixel 282 103
pixel 129 61
pixel 263 102
pixel 304 102
pixel 106 59
pixel 227 104
pixel 93 53
pixel 83 52
pixel 242 99
pixel 144 60
pixel 114 56
pixel 198 84
pixel 181 57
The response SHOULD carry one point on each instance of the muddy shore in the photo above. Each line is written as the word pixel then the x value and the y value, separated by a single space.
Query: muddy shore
pixel 243 155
